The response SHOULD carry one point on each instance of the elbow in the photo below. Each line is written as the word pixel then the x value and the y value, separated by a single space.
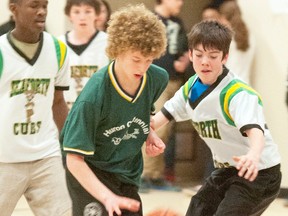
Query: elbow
pixel 73 162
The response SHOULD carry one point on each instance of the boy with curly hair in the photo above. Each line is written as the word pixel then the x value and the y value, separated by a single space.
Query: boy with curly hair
pixel 110 120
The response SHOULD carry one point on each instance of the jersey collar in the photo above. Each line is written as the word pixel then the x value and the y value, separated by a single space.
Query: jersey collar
pixel 121 91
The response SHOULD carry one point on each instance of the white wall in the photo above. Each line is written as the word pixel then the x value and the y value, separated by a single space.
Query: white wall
pixel 271 68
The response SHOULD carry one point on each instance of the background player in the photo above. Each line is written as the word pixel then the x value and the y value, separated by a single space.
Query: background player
pixel 86 45
pixel 33 75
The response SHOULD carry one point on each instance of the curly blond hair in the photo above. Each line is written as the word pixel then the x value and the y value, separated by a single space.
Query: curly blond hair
pixel 138 29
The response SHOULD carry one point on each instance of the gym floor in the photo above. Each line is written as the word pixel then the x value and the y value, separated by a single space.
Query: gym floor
pixel 176 201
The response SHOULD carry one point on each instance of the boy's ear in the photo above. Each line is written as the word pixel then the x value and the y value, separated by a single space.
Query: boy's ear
pixel 225 58
pixel 12 8
pixel 190 55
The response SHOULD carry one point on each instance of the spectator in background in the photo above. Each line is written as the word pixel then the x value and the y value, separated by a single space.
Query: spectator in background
pixel 211 12
pixel 104 16
pixel 242 49
pixel 175 61
pixel 86 45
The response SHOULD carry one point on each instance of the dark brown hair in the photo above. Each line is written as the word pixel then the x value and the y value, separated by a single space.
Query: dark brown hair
pixel 93 3
pixel 211 34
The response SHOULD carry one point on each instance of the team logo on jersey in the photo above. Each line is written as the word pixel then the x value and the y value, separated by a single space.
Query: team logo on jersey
pixel 127 136
pixel 29 87
pixel 30 104
pixel 78 72
pixel 93 209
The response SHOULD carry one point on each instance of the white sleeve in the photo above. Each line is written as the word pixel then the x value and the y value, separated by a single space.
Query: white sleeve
pixel 177 106
pixel 62 78
pixel 246 109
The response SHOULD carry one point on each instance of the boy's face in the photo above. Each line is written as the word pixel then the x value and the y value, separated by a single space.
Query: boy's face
pixel 30 15
pixel 132 65
pixel 103 16
pixel 82 17
pixel 174 6
pixel 208 64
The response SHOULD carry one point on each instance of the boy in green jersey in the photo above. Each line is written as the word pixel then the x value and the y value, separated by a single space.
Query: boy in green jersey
pixel 110 120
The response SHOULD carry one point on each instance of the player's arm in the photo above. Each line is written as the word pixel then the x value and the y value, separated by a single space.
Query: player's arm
pixel 85 176
pixel 60 109
pixel 159 120
pixel 248 164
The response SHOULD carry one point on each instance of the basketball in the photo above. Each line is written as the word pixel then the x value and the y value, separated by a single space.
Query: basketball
pixel 162 212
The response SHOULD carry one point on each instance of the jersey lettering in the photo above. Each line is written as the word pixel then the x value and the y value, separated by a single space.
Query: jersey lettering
pixel 80 71
pixel 207 129
pixel 27 128
pixel 39 86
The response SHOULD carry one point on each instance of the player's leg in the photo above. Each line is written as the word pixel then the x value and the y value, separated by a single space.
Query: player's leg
pixel 245 198
pixel 210 195
pixel 271 191
pixel 47 193
pixel 13 181
pixel 131 191
pixel 83 204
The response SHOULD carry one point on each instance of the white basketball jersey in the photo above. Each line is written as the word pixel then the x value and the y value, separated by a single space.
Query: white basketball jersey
pixel 28 131
pixel 84 65
pixel 221 115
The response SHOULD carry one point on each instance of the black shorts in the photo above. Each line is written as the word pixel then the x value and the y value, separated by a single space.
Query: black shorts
pixel 224 193
pixel 85 204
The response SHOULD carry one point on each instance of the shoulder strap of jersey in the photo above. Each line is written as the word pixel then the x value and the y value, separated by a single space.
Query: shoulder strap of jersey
pixel 227 94
pixel 186 87
pixel 61 51
pixel 1 63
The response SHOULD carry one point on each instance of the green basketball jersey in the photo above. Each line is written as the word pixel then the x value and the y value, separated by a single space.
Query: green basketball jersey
pixel 108 127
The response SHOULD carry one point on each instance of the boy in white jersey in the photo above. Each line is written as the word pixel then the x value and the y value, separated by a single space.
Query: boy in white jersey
pixel 33 75
pixel 228 115
pixel 86 45
pixel 110 120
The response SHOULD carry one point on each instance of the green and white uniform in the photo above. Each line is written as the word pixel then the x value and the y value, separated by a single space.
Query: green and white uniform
pixel 27 87
pixel 109 127
pixel 221 115
pixel 84 61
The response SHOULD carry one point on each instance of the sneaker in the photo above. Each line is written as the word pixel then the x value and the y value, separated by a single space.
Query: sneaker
pixel 162 184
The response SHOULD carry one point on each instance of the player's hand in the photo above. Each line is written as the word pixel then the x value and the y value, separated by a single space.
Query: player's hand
pixel 115 203
pixel 247 166
pixel 154 145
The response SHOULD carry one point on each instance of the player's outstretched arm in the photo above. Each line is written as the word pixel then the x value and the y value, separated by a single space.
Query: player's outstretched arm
pixel 248 164
pixel 85 176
